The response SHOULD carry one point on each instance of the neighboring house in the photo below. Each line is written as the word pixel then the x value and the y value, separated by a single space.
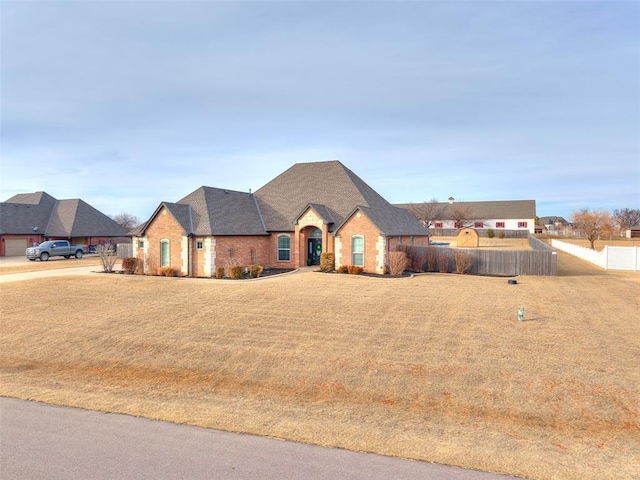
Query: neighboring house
pixel 309 209
pixel 30 218
pixel 633 232
pixel 514 215
pixel 553 225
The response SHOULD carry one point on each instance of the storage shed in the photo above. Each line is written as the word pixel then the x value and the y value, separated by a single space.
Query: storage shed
pixel 468 238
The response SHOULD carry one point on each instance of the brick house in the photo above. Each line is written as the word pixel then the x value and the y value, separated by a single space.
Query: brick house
pixel 309 209
pixel 29 218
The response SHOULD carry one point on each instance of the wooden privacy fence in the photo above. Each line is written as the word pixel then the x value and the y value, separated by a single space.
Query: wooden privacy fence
pixel 124 250
pixel 508 262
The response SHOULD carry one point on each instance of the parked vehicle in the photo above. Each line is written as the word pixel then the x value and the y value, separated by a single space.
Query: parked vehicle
pixel 54 248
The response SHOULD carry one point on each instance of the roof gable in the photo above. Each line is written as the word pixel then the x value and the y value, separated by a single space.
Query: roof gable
pixel 321 211
pixel 181 214
pixel 336 192
pixel 217 211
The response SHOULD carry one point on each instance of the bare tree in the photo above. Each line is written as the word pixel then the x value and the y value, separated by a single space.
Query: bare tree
pixel 592 223
pixel 461 215
pixel 126 220
pixel 626 218
pixel 427 212
pixel 108 257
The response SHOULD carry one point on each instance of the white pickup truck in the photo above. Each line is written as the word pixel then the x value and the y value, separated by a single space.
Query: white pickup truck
pixel 54 248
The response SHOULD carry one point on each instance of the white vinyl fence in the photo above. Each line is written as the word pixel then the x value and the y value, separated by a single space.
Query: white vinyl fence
pixel 610 258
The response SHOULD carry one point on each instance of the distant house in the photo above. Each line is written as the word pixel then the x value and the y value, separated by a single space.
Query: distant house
pixel 633 232
pixel 30 218
pixel 553 224
pixel 309 209
pixel 509 215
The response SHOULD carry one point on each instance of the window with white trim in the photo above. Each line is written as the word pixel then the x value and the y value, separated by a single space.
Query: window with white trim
pixel 357 250
pixel 522 224
pixel 478 225
pixel 438 225
pixel 499 224
pixel 199 245
pixel 165 253
pixel 284 248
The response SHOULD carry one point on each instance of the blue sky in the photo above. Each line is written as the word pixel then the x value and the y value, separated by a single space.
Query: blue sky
pixel 129 103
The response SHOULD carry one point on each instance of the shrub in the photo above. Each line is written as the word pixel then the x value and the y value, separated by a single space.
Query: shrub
pixel 255 271
pixel 501 235
pixel 327 261
pixel 131 265
pixel 235 272
pixel 108 257
pixel 170 272
pixel 397 262
pixel 343 269
pixel 490 233
pixel 412 257
pixel 219 272
pixel 432 259
pixel 443 262
pixel 355 270
pixel 462 260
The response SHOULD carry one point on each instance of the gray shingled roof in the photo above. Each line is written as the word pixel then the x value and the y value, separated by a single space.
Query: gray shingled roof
pixel 338 190
pixel 333 190
pixel 217 211
pixel 507 209
pixel 552 221
pixel 35 198
pixel 57 218
pixel 394 221
pixel 321 210
pixel 182 214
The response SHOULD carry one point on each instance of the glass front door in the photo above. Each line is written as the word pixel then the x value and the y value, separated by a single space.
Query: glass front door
pixel 314 247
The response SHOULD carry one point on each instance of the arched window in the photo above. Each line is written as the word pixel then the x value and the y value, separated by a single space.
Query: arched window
pixel 284 248
pixel 165 253
pixel 357 250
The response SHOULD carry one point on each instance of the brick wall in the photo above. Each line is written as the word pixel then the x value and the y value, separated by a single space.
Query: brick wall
pixel 163 227
pixel 246 250
pixel 416 241
pixel 359 224
pixel 272 251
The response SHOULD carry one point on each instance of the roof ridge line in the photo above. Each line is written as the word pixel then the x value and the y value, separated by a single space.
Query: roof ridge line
pixel 255 200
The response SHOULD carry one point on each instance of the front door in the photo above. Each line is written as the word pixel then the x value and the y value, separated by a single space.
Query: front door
pixel 315 249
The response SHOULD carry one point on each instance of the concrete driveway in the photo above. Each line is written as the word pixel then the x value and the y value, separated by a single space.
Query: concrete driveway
pixel 65 268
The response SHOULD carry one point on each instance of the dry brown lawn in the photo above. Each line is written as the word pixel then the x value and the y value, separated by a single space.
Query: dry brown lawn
pixel 434 367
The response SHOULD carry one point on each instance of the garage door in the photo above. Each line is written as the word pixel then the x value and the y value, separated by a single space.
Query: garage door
pixel 14 247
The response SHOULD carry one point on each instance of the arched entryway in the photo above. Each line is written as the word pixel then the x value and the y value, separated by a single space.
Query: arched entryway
pixel 314 247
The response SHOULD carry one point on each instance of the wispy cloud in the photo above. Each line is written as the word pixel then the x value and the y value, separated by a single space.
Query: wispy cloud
pixel 138 102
